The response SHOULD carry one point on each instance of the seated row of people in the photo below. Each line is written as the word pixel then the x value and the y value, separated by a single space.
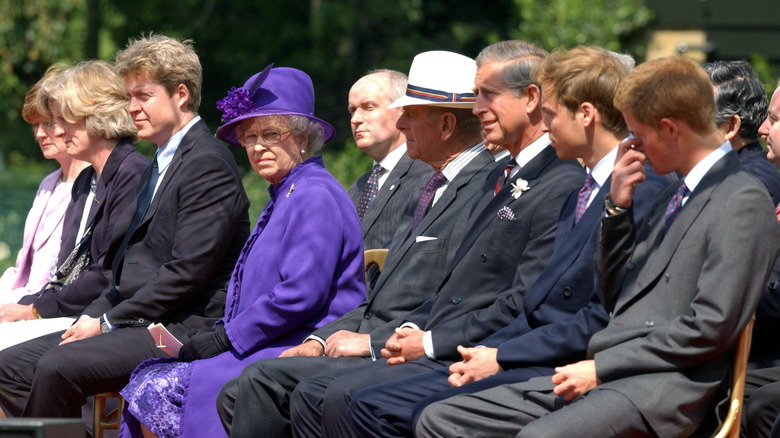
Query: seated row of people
pixel 531 294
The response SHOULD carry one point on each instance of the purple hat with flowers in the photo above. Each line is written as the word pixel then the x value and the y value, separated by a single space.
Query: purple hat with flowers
pixel 272 92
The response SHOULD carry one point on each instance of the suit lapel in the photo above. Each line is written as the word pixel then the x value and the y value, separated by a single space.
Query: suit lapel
pixel 531 172
pixel 388 189
pixel 448 197
pixel 186 144
pixel 356 189
pixel 46 224
pixel 658 251
pixel 570 239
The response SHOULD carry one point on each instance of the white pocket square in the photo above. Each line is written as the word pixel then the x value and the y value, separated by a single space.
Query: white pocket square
pixel 506 214
pixel 424 238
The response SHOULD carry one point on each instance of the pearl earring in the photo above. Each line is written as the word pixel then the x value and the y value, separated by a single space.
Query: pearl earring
pixel 303 151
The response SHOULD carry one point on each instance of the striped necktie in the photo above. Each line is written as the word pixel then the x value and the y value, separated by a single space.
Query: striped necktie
pixel 503 178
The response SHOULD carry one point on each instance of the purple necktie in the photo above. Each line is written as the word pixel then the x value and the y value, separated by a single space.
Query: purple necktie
pixel 426 197
pixel 673 209
pixel 370 190
pixel 583 197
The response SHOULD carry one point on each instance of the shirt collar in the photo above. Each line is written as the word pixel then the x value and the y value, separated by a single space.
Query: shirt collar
pixel 603 169
pixel 164 155
pixel 392 158
pixel 702 167
pixel 500 155
pixel 454 167
pixel 529 152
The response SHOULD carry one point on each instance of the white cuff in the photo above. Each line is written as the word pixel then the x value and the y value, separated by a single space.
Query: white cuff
pixel 428 345
pixel 316 338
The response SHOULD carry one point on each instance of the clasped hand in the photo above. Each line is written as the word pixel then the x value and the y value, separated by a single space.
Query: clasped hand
pixel 477 364
pixel 404 345
pixel 345 343
pixel 571 381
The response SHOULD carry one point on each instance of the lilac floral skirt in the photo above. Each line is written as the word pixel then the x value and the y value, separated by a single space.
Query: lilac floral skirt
pixel 155 396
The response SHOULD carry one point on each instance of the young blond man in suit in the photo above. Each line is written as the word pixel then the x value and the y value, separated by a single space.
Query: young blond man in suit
pixel 167 263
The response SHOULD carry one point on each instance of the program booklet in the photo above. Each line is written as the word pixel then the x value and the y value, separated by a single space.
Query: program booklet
pixel 164 339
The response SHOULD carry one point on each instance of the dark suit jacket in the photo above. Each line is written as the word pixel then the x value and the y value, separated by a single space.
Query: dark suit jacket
pixel 414 268
pixel 752 157
pixel 763 349
pixel 179 259
pixel 397 195
pixel 497 253
pixel 114 194
pixel 561 311
pixel 679 303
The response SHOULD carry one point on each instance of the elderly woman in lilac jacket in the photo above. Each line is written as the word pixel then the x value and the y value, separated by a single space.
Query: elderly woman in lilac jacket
pixel 301 268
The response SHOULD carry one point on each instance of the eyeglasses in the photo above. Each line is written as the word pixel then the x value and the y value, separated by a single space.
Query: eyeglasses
pixel 44 125
pixel 271 137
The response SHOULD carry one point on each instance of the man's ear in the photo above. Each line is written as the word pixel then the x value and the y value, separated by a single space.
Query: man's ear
pixel 182 96
pixel 447 123
pixel 589 114
pixel 668 127
pixel 534 98
pixel 732 126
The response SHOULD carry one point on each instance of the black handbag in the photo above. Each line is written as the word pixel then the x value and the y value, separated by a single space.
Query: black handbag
pixel 77 261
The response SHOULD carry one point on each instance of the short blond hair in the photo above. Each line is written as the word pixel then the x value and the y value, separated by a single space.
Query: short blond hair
pixel 33 107
pixel 167 60
pixel 584 74
pixel 92 92
pixel 673 87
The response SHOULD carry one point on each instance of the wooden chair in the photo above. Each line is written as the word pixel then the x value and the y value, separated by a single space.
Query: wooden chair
pixel 374 257
pixel 102 420
pixel 730 426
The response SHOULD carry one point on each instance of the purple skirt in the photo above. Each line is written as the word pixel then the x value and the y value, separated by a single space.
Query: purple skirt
pixel 155 396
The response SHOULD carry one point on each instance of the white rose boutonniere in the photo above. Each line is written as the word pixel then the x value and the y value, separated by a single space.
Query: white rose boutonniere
pixel 519 187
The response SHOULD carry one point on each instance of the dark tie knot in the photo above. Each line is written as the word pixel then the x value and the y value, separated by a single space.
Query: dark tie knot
pixel 437 180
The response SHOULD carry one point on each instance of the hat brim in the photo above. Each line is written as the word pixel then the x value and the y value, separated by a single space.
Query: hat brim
pixel 409 101
pixel 227 132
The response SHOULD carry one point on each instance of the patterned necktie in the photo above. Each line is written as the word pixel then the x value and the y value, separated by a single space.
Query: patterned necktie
pixel 777 212
pixel 426 197
pixel 583 197
pixel 673 209
pixel 503 178
pixel 370 190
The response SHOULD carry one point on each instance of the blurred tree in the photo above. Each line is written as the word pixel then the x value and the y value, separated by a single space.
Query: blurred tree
pixel 33 35
pixel 334 41
pixel 612 24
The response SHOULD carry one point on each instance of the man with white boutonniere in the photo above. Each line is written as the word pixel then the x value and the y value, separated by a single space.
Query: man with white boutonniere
pixel 511 231
pixel 561 310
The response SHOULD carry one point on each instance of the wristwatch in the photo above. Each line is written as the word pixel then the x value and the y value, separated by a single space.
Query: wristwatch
pixel 611 208
pixel 105 327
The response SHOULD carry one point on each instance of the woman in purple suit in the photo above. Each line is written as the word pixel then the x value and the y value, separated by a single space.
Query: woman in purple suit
pixel 301 268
